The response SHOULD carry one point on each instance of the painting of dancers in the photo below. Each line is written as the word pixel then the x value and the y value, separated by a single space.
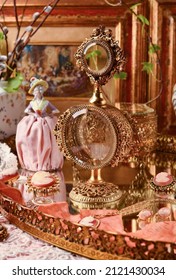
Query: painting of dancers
pixel 57 65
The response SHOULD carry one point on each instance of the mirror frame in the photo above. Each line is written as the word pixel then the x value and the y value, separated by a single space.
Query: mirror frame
pixel 110 58
pixel 102 37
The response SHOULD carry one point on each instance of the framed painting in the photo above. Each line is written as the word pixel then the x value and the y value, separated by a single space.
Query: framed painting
pixel 55 63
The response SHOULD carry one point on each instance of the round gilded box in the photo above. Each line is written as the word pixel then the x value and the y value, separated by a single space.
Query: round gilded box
pixel 163 183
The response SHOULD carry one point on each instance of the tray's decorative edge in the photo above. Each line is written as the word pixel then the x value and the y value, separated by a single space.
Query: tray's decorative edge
pixel 137 207
pixel 85 241
pixel 55 240
pixel 61 243
pixel 3 233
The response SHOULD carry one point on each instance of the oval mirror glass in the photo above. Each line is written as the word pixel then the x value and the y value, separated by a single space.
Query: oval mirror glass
pixel 96 57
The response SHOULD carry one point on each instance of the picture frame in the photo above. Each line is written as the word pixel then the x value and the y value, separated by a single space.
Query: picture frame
pixel 59 37
pixel 56 64
pixel 70 38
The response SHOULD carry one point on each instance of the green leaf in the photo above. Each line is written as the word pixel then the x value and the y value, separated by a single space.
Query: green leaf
pixel 148 67
pixel 1 36
pixel 143 19
pixel 14 83
pixel 153 48
pixel 134 6
pixel 93 54
pixel 121 75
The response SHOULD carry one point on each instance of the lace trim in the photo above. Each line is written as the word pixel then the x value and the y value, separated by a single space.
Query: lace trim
pixel 21 245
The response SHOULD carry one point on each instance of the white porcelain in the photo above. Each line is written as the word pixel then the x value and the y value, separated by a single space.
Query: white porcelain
pixel 164 212
pixel 145 214
pixel 12 106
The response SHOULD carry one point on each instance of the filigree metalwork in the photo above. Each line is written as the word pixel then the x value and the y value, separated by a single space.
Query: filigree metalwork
pixel 162 161
pixel 150 204
pixel 70 134
pixel 124 134
pixel 121 134
pixel 143 121
pixel 96 196
pixel 115 57
pixel 44 191
pixel 171 188
pixel 86 241
pixel 166 143
pixel 3 233
pixel 82 131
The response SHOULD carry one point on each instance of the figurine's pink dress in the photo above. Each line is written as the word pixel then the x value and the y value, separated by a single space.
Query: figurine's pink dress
pixel 35 142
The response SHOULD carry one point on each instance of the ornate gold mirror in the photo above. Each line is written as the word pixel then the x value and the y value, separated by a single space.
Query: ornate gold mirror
pixel 90 137
pixel 97 58
pixel 97 134
pixel 100 57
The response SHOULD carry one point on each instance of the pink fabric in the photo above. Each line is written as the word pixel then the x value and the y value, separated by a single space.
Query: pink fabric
pixel 111 223
pixel 59 210
pixel 11 192
pixel 160 231
pixel 108 223
pixel 36 144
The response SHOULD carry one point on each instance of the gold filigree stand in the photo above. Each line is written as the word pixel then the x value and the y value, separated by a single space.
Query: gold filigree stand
pixel 41 193
pixel 95 193
pixel 44 191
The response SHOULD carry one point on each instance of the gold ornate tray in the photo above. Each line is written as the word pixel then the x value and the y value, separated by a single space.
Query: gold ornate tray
pixel 92 242
pixel 81 240
pixel 3 233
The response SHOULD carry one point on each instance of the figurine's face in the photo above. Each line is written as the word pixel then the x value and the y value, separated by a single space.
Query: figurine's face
pixel 38 91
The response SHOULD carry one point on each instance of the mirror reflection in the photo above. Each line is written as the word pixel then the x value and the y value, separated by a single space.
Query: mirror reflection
pixel 96 57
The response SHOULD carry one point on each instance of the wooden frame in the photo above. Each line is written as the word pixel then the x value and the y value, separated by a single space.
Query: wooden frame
pixel 80 13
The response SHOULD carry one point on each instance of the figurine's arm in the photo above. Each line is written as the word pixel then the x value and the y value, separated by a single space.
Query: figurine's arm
pixel 54 110
pixel 28 109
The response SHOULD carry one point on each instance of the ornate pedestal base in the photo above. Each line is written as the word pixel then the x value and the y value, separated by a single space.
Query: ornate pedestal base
pixel 95 195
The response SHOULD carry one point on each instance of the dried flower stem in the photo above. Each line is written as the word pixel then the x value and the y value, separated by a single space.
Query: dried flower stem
pixel 54 5
pixel 23 13
pixel 16 18
pixel 23 40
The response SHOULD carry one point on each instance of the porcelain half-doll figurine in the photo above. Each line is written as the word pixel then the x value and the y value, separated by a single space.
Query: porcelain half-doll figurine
pixel 35 142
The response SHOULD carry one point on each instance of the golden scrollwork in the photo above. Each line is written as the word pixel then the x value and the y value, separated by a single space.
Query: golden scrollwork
pixel 143 120
pixel 98 196
pixel 102 39
pixel 44 191
pixel 3 233
pixel 166 143
pixel 82 239
pixel 70 133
